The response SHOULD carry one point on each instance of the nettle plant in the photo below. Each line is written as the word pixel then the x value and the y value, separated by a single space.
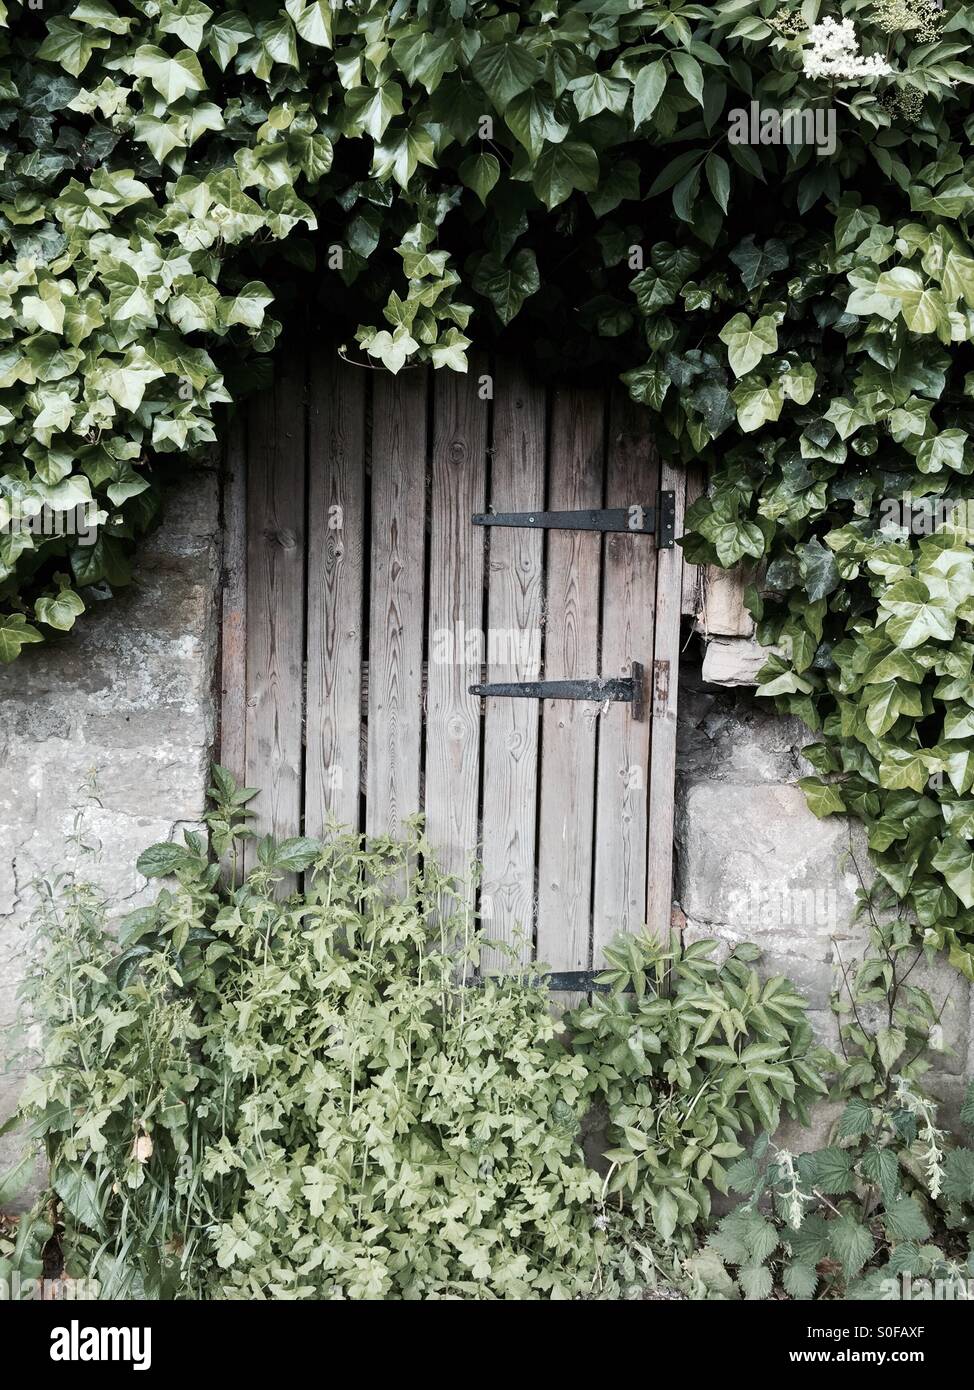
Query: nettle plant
pixel 241 1096
pixel 687 1058
pixel 886 1211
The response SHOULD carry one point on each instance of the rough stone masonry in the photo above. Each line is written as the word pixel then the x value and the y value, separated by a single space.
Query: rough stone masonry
pixel 105 738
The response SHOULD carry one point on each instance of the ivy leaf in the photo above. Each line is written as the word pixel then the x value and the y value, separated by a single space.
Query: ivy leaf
pixel 60 611
pixel 757 264
pixel 504 70
pixel 846 416
pixel 532 121
pixel 370 109
pixel 172 78
pixel 757 402
pixel 481 172
pixel 944 450
pixel 564 168
pixel 923 308
pixel 916 615
pixel 507 286
pixel 226 34
pixel 401 153
pixel 15 632
pixel 69 45
pixel 955 860
pixel 312 21
pixel 823 798
pixel 903 768
pixel 818 568
pixel 187 19
pixel 648 386
pixel 747 343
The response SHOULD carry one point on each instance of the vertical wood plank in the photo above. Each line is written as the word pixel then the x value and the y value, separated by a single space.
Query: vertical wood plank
pixel 571 652
pixel 664 690
pixel 628 601
pixel 515 600
pixel 233 648
pixel 396 606
pixel 694 576
pixel 275 598
pixel 336 520
pixel 456 600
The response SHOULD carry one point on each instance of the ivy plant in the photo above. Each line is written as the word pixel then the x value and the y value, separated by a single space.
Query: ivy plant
pixel 797 311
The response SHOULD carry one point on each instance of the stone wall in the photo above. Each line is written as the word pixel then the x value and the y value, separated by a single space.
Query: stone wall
pixel 754 864
pixel 105 735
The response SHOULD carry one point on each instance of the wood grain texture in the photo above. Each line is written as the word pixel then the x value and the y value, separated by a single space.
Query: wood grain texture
pixel 336 521
pixel 275 598
pixel 565 851
pixel 664 689
pixel 396 601
pixel 515 601
pixel 694 576
pixel 233 635
pixel 456 601
pixel 628 602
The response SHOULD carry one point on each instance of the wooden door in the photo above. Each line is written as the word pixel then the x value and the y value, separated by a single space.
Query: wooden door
pixel 362 603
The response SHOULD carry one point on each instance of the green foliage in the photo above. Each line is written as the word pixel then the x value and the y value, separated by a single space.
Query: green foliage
pixel 799 317
pixel 685 1074
pixel 892 1195
pixel 244 1097
pixel 22 1243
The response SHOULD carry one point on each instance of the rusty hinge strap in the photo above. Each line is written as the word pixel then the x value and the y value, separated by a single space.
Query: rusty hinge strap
pixel 627 689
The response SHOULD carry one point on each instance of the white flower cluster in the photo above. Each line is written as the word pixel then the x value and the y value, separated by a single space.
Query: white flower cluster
pixel 834 53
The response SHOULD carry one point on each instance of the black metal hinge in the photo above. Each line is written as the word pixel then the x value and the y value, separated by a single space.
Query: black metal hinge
pixel 575 981
pixel 637 520
pixel 626 689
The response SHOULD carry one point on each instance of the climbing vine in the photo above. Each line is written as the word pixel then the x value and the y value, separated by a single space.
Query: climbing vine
pixel 758 212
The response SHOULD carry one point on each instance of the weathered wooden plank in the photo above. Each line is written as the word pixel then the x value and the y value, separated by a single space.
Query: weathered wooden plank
pixel 515 601
pixel 275 598
pixel 664 688
pixel 568 738
pixel 233 636
pixel 694 576
pixel 396 602
pixel 628 602
pixel 336 520
pixel 456 602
